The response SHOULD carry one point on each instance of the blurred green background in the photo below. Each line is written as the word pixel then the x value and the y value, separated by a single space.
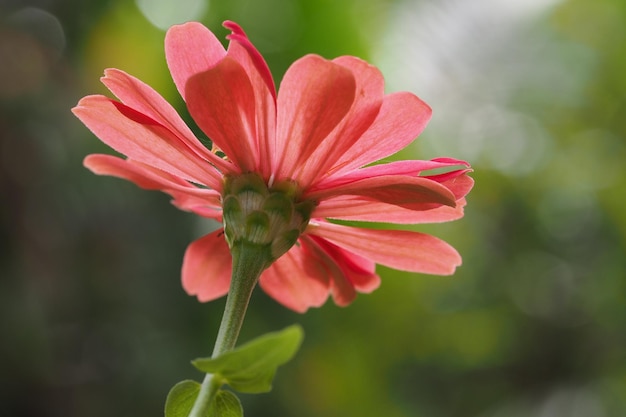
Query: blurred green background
pixel 94 322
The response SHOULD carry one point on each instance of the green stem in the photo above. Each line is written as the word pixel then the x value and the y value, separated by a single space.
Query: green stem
pixel 249 261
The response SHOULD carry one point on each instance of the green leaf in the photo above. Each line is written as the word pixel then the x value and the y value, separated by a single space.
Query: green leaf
pixel 226 404
pixel 251 367
pixel 181 398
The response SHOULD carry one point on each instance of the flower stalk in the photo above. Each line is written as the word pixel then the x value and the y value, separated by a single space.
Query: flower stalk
pixel 249 261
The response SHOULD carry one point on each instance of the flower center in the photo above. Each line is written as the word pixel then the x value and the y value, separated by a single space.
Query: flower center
pixel 272 217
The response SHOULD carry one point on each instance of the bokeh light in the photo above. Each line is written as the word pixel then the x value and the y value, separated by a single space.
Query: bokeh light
pixel 163 13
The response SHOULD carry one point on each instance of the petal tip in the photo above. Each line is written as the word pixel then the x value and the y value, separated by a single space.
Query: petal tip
pixel 233 27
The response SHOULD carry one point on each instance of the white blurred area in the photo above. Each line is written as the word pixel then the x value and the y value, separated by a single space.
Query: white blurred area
pixel 562 402
pixel 501 79
pixel 486 67
pixel 165 13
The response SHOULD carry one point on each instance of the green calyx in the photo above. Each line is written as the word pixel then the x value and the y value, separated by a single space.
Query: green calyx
pixel 269 217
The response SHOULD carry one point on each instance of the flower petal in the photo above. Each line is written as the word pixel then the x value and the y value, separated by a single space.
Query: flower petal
pixel 242 50
pixel 207 267
pixel 399 249
pixel 141 97
pixel 198 205
pixel 240 38
pixel 146 176
pixel 401 118
pixel 297 279
pixel 190 49
pixel 370 88
pixel 410 167
pixel 401 190
pixel 143 139
pixel 458 182
pixel 221 100
pixel 202 201
pixel 314 96
pixel 349 272
pixel 360 209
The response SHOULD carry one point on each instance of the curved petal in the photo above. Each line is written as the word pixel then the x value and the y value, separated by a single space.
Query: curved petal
pixel 402 117
pixel 401 190
pixel 360 209
pixel 399 249
pixel 340 287
pixel 370 88
pixel 141 97
pixel 190 49
pixel 187 197
pixel 221 100
pixel 411 168
pixel 207 267
pixel 144 176
pixel 200 206
pixel 143 139
pixel 458 182
pixel 314 96
pixel 297 279
pixel 349 272
pixel 240 38
pixel 242 50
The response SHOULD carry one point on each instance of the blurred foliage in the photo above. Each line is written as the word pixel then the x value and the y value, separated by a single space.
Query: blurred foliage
pixel 533 324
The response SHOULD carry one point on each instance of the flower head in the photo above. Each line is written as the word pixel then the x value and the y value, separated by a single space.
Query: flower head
pixel 282 164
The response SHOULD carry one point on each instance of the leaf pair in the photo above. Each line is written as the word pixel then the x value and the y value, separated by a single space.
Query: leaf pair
pixel 181 398
pixel 249 368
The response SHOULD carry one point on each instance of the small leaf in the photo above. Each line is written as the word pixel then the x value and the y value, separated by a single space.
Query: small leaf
pixel 226 404
pixel 251 367
pixel 180 399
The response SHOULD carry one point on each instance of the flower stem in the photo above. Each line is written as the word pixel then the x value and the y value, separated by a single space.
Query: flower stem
pixel 249 261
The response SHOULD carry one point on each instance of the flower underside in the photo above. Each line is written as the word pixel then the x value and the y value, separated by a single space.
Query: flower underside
pixel 271 217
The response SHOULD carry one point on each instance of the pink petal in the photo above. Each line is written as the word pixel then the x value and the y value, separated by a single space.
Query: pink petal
pixel 211 209
pixel 405 191
pixel 240 37
pixel 221 100
pixel 203 201
pixel 349 272
pixel 143 139
pixel 314 96
pixel 399 249
pixel 190 49
pixel 370 88
pixel 143 175
pixel 360 209
pixel 340 287
pixel 457 182
pixel 297 279
pixel 411 168
pixel 207 267
pixel 251 60
pixel 141 97
pixel 401 119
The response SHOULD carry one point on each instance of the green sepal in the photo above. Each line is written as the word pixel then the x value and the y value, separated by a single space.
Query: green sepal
pixel 225 404
pixel 279 205
pixel 251 367
pixel 180 399
pixel 257 230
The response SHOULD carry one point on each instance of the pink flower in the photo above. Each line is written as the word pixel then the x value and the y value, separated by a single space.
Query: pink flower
pixel 328 121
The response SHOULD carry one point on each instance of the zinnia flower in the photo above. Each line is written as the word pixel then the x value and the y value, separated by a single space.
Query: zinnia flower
pixel 281 165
